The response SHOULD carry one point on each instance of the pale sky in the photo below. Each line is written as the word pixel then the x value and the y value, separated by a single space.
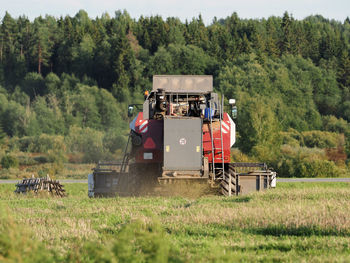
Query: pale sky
pixel 184 9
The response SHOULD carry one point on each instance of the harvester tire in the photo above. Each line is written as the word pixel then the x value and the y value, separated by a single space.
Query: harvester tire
pixel 230 175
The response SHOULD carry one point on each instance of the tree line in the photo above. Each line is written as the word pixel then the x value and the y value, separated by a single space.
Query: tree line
pixel 286 74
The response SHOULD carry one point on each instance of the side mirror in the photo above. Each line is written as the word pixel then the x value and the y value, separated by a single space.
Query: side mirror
pixel 234 112
pixel 130 111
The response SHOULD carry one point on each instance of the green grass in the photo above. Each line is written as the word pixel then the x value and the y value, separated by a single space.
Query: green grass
pixel 64 171
pixel 295 222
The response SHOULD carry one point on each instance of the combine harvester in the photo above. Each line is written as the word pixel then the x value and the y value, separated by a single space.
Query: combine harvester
pixel 181 135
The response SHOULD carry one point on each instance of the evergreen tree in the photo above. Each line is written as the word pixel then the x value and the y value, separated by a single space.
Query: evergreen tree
pixel 175 31
pixel 41 47
pixel 344 69
pixel 8 45
pixel 2 134
pixel 272 39
pixel 196 33
pixel 286 41
pixel 245 48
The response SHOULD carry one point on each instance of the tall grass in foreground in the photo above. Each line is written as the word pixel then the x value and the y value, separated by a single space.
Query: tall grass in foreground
pixel 18 245
pixel 135 242
pixel 295 222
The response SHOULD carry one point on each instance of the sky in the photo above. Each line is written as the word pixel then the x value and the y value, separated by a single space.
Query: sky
pixel 184 9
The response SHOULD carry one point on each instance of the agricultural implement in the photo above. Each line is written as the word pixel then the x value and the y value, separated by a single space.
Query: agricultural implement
pixel 40 185
pixel 181 136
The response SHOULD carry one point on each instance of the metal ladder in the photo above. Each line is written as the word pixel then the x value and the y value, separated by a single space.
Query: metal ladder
pixel 221 138
pixel 126 156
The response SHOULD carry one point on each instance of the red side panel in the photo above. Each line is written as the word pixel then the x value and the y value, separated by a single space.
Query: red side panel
pixel 151 150
pixel 207 146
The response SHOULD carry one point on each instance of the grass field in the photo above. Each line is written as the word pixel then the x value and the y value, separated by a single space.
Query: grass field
pixel 67 171
pixel 298 222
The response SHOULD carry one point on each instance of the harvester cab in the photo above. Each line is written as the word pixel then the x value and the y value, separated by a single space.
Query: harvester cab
pixel 181 135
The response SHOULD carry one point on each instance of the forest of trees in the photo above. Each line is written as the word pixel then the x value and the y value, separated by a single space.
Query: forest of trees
pixel 71 78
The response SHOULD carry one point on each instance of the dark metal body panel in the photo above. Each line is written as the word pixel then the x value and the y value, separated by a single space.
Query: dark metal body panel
pixel 151 150
pixel 252 183
pixel 108 183
pixel 182 144
pixel 139 179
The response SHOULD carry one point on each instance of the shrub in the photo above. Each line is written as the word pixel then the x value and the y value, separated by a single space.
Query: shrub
pixel 38 144
pixel 347 147
pixel 56 156
pixel 86 141
pixel 332 124
pixel 292 160
pixel 75 157
pixel 114 141
pixel 9 161
pixel 238 156
pixel 44 143
pixel 321 139
pixel 307 168
pixel 265 153
pixel 336 155
pixel 318 168
pixel 26 160
pixel 41 159
pixel 292 137
pixel 20 144
pixel 2 134
pixel 286 168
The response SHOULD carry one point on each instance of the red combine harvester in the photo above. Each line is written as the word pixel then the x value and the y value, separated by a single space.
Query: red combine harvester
pixel 181 135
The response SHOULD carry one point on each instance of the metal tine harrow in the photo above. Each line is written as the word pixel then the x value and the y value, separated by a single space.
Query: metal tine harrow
pixel 44 184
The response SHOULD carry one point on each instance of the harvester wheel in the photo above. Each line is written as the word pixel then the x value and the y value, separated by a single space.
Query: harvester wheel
pixel 228 183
